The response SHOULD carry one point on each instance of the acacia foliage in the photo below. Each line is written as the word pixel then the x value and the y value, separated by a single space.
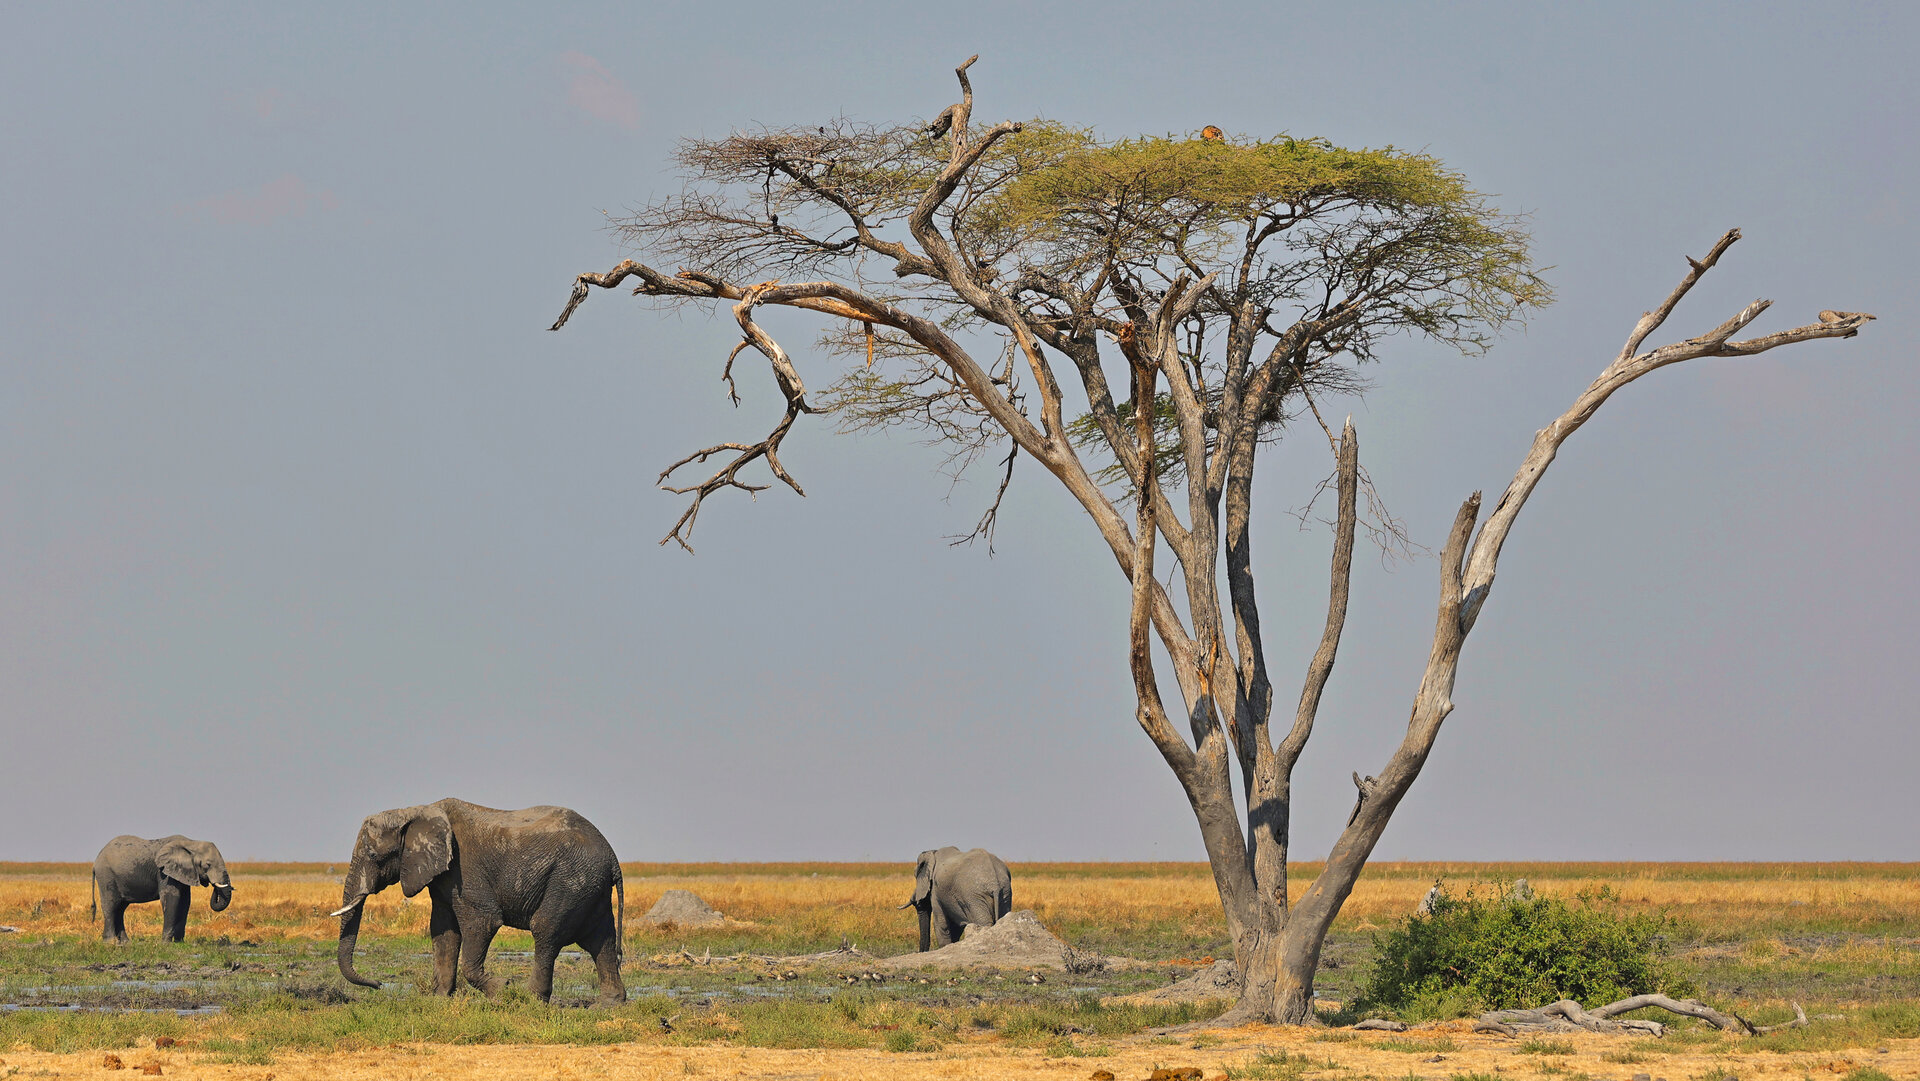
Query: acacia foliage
pixel 1340 247
pixel 1517 952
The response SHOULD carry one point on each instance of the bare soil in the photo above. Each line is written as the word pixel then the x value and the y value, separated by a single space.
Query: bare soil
pixel 1017 941
pixel 1132 1058
pixel 683 908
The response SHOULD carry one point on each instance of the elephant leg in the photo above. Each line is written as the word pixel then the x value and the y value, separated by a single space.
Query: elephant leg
pixel 558 922
pixel 445 931
pixel 175 899
pixel 113 909
pixel 474 942
pixel 546 950
pixel 602 943
pixel 942 928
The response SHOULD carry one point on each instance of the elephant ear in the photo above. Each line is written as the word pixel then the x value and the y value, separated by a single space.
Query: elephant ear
pixel 427 852
pixel 923 875
pixel 176 862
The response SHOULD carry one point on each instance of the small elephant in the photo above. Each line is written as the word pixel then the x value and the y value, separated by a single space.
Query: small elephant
pixel 133 870
pixel 543 869
pixel 952 888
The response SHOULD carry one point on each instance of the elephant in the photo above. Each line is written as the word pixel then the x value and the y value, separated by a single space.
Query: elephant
pixel 542 869
pixel 133 870
pixel 952 888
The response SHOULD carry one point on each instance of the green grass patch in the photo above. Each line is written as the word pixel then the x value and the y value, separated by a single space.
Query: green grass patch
pixel 1407 1045
pixel 222 1050
pixel 1537 1046
pixel 1868 1026
pixel 1277 1066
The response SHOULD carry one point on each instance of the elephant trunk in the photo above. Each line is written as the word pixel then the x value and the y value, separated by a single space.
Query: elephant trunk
pixel 217 874
pixel 349 939
pixel 221 880
pixel 353 897
pixel 926 927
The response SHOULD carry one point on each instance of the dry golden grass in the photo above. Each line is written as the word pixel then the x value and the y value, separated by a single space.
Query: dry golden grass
pixel 1170 901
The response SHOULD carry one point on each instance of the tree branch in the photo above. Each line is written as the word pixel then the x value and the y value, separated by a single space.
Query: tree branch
pixel 991 519
pixel 1626 368
pixel 1151 712
pixel 1651 321
pixel 746 453
pixel 1342 576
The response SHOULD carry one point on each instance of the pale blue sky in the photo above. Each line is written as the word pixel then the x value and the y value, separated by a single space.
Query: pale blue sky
pixel 303 513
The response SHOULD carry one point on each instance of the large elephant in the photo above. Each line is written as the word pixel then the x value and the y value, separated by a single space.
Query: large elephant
pixel 133 870
pixel 543 869
pixel 952 888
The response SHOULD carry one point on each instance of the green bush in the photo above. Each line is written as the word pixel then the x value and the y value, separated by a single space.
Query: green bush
pixel 1509 952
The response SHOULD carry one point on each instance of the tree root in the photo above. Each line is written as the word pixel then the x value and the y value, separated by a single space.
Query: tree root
pixel 1568 1016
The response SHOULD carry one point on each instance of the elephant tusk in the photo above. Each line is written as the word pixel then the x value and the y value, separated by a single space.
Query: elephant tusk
pixel 349 906
pixel 222 885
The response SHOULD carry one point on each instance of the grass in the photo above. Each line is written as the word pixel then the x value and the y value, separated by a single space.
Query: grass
pixel 1155 910
pixel 1409 1046
pixel 1753 937
pixel 1538 1046
pixel 251 1032
pixel 1277 1066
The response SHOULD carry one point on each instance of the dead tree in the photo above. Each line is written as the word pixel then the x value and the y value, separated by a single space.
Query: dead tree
pixel 1232 282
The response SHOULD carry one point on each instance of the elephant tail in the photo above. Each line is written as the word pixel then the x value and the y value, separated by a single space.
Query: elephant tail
pixel 620 913
pixel 93 895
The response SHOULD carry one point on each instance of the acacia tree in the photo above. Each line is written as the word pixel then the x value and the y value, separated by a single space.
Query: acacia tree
pixel 1231 282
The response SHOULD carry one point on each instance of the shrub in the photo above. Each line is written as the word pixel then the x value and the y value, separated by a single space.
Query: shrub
pixel 1509 952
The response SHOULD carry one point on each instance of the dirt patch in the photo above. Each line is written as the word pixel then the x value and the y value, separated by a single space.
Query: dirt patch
pixel 1212 983
pixel 1017 941
pixel 1128 1059
pixel 683 908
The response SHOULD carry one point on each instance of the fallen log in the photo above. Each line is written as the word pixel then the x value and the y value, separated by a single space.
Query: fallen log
pixel 1569 1016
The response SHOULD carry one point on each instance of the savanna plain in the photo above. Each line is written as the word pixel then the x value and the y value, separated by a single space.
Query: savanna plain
pixel 791 986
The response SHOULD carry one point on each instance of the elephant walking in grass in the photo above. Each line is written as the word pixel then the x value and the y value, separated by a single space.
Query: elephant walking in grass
pixel 134 870
pixel 952 888
pixel 542 869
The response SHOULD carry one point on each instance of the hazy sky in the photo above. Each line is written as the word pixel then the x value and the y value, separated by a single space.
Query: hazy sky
pixel 304 514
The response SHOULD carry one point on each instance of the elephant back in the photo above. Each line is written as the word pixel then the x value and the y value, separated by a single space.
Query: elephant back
pixel 124 854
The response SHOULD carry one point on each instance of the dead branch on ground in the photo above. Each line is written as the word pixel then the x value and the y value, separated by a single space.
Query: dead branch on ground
pixel 1569 1016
